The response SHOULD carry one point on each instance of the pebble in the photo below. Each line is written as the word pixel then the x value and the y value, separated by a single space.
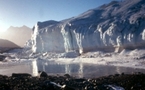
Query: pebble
pixel 20 81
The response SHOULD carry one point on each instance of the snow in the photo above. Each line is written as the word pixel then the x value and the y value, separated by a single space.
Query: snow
pixel 111 26
pixel 127 58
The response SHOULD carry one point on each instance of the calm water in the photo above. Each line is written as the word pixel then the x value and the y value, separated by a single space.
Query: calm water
pixel 79 70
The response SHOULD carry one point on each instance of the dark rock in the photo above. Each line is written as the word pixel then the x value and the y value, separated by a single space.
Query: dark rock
pixel 68 88
pixel 133 81
pixel 20 75
pixel 67 76
pixel 43 74
pixel 116 74
pixel 2 57
pixel 80 80
pixel 49 84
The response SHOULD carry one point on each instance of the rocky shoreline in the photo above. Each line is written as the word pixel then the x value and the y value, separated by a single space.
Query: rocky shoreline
pixel 122 81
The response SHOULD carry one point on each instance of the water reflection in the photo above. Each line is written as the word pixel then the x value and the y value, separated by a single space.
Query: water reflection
pixel 83 70
pixel 30 67
pixel 34 68
pixel 75 69
pixel 61 68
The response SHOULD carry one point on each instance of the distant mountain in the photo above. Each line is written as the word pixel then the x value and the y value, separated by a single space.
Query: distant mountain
pixel 7 44
pixel 119 24
pixel 18 35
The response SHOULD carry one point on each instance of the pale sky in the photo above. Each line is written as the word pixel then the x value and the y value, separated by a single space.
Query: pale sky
pixel 27 12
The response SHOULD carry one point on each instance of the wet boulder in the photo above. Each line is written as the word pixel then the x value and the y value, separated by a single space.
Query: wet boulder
pixel 43 74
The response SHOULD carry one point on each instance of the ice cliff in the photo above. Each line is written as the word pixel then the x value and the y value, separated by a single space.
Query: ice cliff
pixel 119 24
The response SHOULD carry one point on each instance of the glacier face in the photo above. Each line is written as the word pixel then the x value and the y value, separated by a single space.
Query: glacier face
pixel 117 24
pixel 47 39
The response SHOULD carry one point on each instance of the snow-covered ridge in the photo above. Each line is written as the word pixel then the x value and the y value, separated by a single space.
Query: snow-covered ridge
pixel 116 25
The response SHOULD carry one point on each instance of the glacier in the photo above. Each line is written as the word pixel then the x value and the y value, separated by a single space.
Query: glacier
pixel 110 27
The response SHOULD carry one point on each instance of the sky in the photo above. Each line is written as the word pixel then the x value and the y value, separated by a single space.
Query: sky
pixel 28 12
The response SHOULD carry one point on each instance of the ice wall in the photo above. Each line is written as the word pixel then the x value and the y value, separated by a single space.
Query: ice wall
pixel 47 38
pixel 117 24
